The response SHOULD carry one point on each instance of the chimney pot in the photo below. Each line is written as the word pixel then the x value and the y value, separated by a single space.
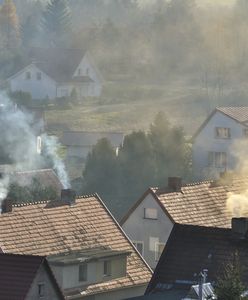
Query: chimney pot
pixel 175 184
pixel 6 206
pixel 239 228
pixel 68 196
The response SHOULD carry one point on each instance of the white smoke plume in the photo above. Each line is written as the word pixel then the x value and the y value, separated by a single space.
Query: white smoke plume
pixel 18 144
pixel 237 203
pixel 51 146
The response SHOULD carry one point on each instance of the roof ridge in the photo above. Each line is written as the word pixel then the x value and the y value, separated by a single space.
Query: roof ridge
pixel 197 183
pixel 86 196
pixel 30 203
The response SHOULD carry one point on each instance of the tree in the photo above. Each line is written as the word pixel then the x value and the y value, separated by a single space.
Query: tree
pixel 9 24
pixel 101 170
pixel 171 151
pixel 229 285
pixel 137 164
pixel 56 21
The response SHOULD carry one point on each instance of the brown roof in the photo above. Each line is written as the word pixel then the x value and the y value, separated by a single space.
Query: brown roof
pixel 17 273
pixel 202 203
pixel 190 249
pixel 45 229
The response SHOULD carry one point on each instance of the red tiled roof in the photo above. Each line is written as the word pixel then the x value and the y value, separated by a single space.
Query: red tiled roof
pixel 190 249
pixel 44 229
pixel 202 203
pixel 17 272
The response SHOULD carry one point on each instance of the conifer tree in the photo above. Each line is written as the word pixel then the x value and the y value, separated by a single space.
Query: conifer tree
pixel 56 21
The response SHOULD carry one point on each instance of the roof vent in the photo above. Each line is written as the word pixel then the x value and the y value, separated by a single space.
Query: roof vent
pixel 240 228
pixel 68 196
pixel 175 184
pixel 6 206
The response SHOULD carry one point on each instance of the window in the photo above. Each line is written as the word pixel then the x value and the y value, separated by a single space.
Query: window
pixel 159 247
pixel 245 132
pixel 41 290
pixel 150 213
pixel 82 274
pixel 139 245
pixel 107 268
pixel 87 71
pixel 79 72
pixel 39 145
pixel 217 159
pixel 222 132
pixel 38 75
pixel 28 75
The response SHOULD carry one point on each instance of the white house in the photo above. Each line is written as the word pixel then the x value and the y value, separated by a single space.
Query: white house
pixel 150 221
pixel 53 72
pixel 212 151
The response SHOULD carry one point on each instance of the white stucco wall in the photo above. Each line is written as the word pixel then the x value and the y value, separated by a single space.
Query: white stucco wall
pixel 147 230
pixel 206 142
pixel 39 89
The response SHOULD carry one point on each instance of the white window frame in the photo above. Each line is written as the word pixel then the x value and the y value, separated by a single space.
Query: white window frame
pixel 108 268
pixel 217 159
pixel 149 216
pixel 222 132
pixel 157 253
pixel 84 265
pixel 135 245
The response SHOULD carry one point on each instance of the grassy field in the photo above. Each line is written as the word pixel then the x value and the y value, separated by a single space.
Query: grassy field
pixel 125 107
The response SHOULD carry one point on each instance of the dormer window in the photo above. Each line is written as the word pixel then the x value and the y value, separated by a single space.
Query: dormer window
pixel 107 268
pixel 82 274
pixel 28 75
pixel 222 133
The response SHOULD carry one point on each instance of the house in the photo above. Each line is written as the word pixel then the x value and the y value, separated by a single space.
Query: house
pixel 150 221
pixel 51 73
pixel 89 253
pixel 46 177
pixel 191 249
pixel 27 277
pixel 79 143
pixel 213 142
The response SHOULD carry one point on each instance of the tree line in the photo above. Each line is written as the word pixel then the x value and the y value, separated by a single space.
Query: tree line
pixel 144 159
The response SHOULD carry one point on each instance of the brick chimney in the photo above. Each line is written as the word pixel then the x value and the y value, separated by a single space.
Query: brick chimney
pixel 6 206
pixel 68 196
pixel 240 228
pixel 175 184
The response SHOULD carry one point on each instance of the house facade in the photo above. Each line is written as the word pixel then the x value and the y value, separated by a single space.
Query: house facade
pixel 27 277
pixel 90 255
pixel 213 149
pixel 54 73
pixel 150 221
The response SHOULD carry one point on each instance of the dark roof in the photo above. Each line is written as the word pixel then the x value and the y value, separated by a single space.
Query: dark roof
pixel 57 63
pixel 190 249
pixel 201 203
pixel 47 178
pixel 172 294
pixel 17 272
pixel 89 139
pixel 238 114
pixel 44 229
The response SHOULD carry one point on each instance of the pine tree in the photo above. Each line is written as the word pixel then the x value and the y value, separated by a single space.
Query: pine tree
pixel 9 24
pixel 56 21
